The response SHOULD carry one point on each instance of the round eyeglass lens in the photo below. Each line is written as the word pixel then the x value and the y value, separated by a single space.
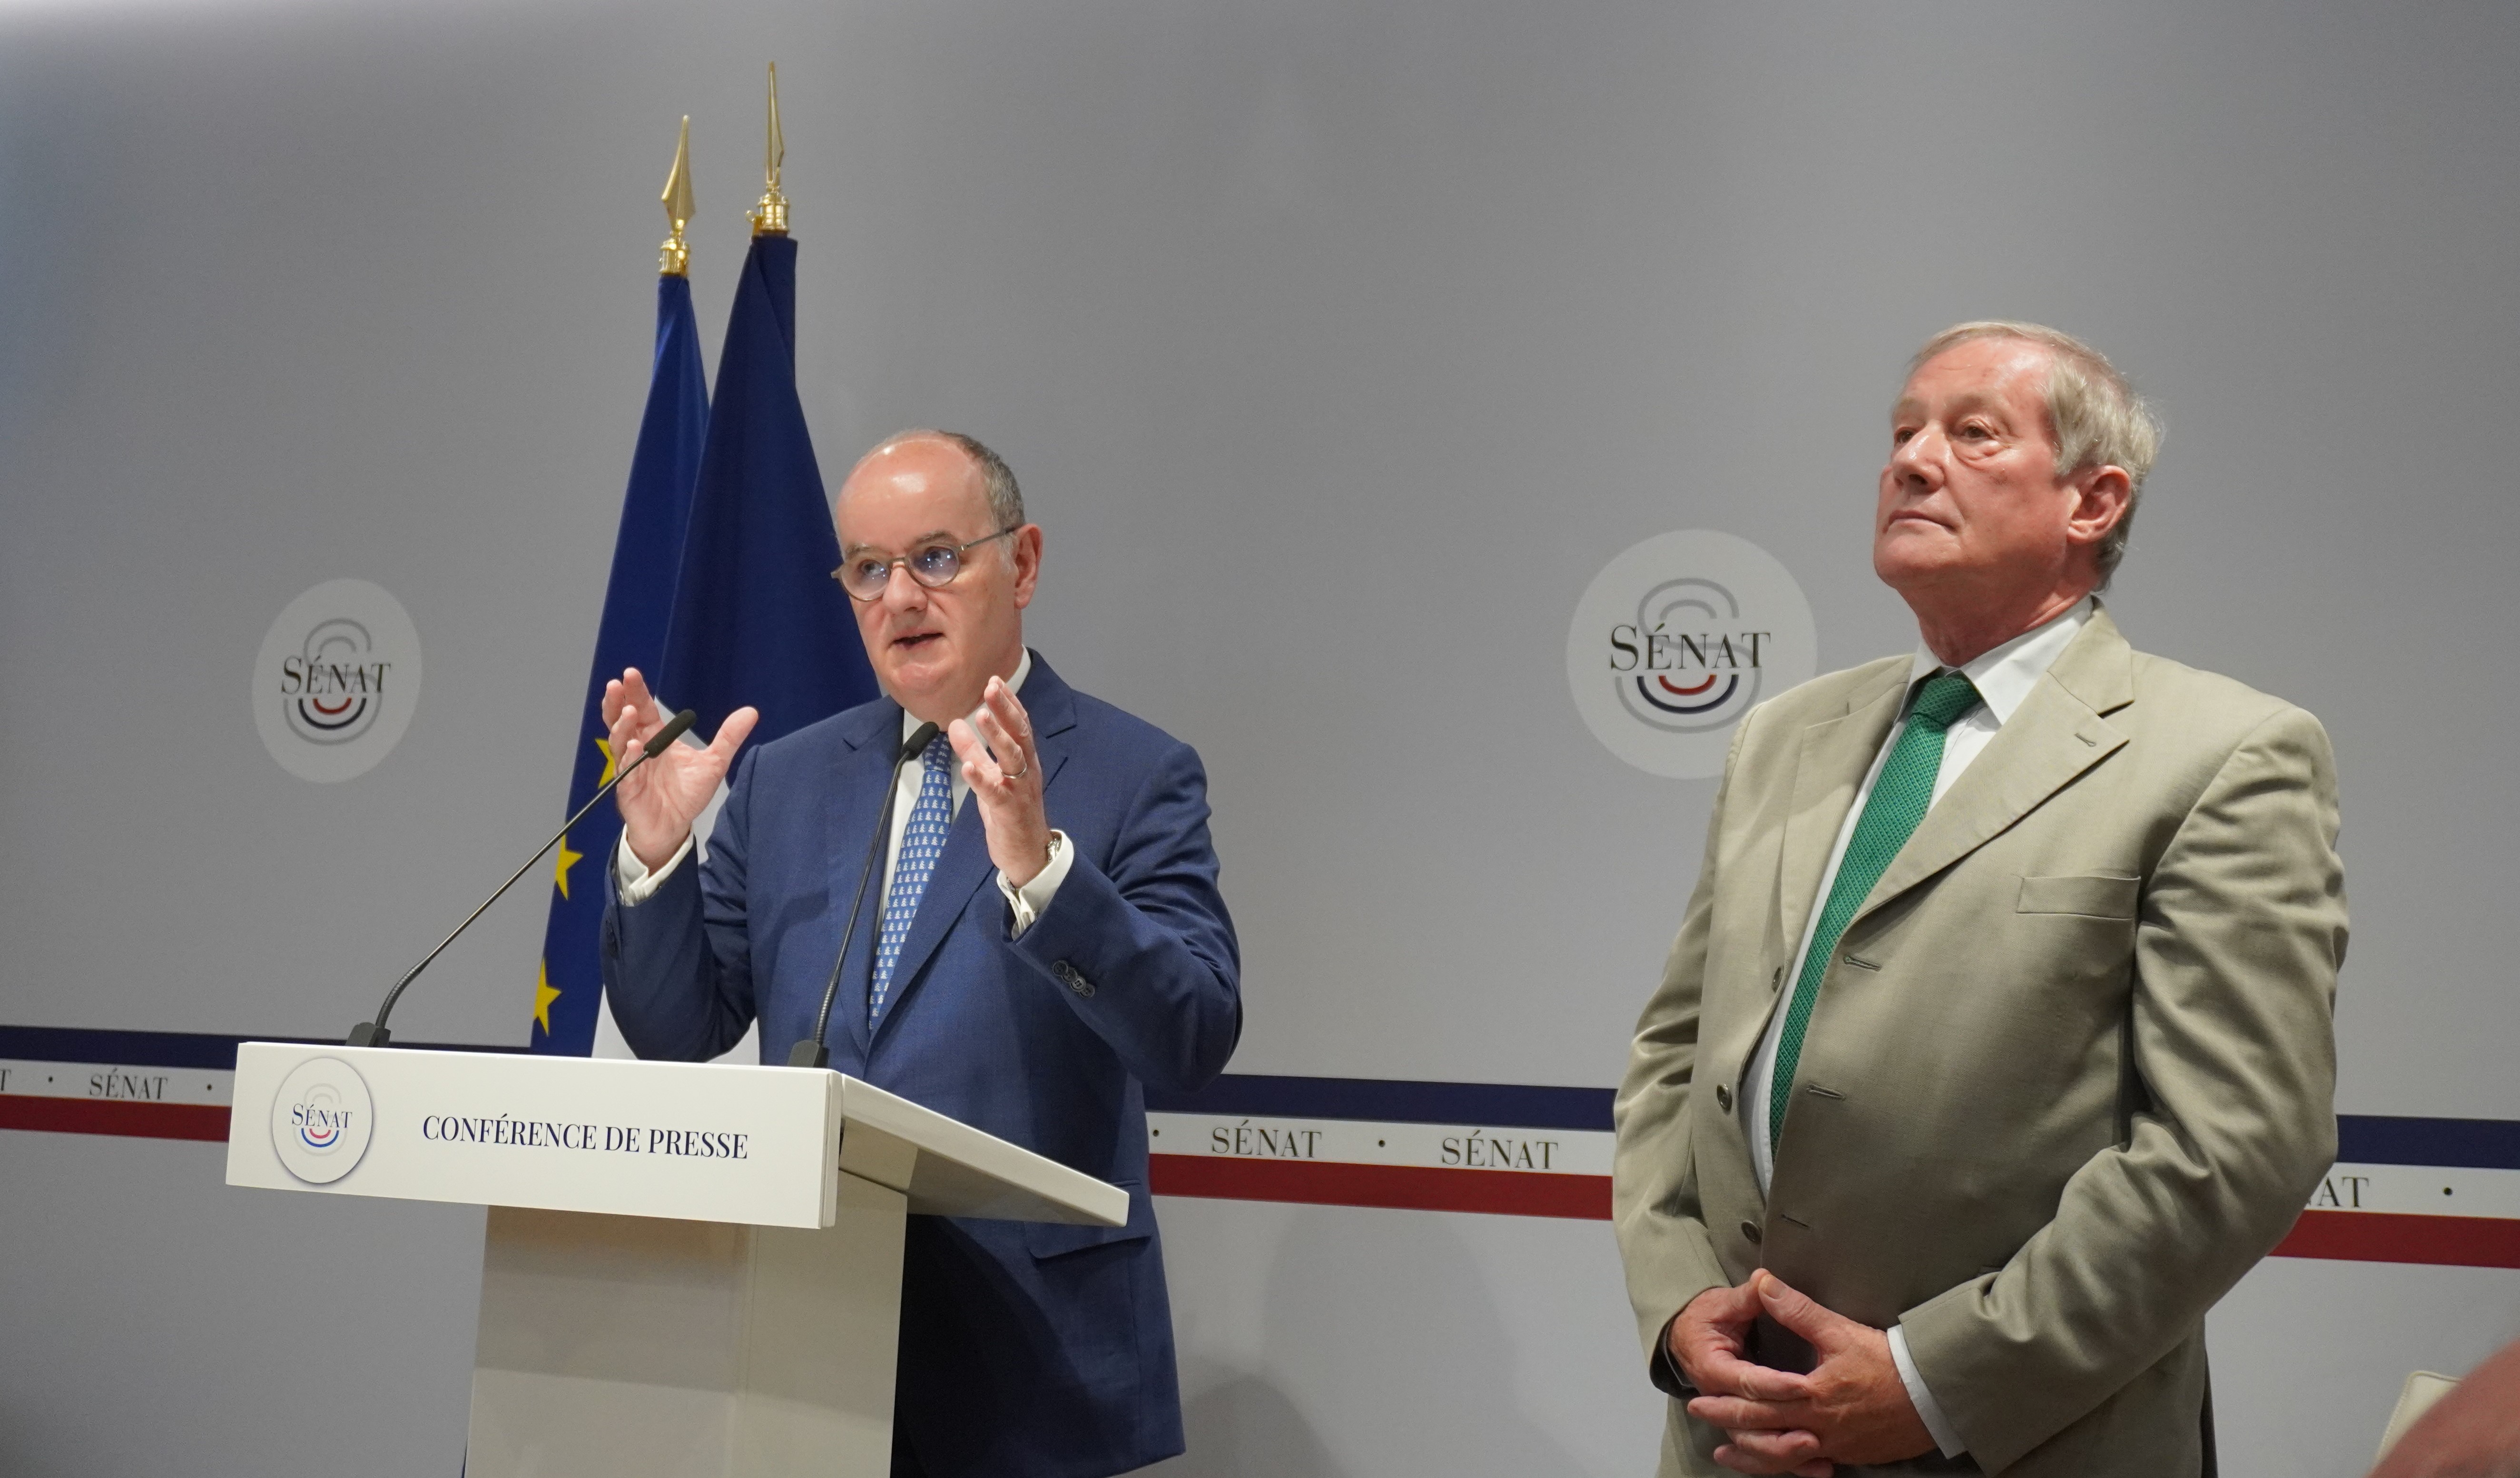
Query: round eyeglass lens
pixel 866 578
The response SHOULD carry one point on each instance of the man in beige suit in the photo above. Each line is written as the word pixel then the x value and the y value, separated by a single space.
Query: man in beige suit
pixel 1997 1041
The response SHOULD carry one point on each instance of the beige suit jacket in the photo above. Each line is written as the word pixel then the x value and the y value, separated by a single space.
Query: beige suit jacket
pixel 2143 858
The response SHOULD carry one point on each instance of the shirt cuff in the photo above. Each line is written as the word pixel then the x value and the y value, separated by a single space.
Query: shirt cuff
pixel 1032 900
pixel 1664 1371
pixel 1936 1425
pixel 631 881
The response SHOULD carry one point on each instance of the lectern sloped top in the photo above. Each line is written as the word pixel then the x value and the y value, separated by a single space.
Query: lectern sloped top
pixel 695 1141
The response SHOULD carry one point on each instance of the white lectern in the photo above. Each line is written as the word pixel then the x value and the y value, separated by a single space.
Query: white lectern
pixel 690 1269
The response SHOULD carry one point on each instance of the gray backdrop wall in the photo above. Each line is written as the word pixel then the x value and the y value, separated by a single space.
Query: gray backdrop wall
pixel 1337 347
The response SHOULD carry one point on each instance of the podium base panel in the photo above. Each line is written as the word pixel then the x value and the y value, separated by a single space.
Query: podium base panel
pixel 626 1347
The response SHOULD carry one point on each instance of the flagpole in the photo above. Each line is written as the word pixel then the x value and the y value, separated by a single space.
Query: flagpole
pixel 638 609
pixel 756 620
pixel 768 217
pixel 674 257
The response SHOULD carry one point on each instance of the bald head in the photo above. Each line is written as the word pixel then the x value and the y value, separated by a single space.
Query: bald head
pixel 923 465
pixel 997 479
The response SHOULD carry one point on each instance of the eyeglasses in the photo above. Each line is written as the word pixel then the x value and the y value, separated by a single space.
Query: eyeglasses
pixel 933 566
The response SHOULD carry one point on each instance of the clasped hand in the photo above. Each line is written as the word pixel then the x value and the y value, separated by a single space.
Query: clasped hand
pixel 1852 1407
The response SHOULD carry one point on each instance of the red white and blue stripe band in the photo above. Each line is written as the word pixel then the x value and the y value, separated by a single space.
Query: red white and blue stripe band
pixel 2403 1190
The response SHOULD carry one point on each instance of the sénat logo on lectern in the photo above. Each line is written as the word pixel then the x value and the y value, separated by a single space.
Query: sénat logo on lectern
pixel 1675 639
pixel 337 680
pixel 321 1119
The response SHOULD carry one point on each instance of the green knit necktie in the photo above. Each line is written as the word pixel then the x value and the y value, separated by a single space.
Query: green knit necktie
pixel 1899 800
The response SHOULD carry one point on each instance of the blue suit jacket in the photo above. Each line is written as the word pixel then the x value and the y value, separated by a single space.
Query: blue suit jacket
pixel 1026 1350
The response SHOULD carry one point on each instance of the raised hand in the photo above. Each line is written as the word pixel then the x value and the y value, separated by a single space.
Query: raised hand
pixel 662 797
pixel 1854 1408
pixel 1005 780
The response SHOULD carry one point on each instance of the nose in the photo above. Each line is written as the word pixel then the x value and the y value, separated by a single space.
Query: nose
pixel 903 594
pixel 1917 461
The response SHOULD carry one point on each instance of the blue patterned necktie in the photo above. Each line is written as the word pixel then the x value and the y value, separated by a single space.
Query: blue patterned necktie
pixel 922 841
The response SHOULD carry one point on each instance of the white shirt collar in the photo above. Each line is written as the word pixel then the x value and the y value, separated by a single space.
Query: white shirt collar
pixel 2004 676
pixel 1024 671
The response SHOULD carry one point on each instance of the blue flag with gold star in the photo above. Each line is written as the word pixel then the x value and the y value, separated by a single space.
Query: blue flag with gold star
pixel 757 617
pixel 637 602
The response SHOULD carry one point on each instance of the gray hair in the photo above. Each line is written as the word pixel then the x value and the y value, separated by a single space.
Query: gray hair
pixel 2094 414
pixel 1006 500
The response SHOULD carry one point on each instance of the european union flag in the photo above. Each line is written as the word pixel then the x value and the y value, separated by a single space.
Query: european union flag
pixel 637 604
pixel 757 617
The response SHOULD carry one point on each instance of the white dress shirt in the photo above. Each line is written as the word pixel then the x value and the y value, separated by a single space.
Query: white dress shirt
pixel 636 884
pixel 2004 679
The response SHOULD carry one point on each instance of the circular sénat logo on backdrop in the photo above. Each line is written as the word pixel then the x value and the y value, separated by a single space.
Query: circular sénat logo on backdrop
pixel 1674 640
pixel 337 680
pixel 321 1119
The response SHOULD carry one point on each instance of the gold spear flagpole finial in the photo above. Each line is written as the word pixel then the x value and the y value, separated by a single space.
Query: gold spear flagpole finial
pixel 675 259
pixel 770 217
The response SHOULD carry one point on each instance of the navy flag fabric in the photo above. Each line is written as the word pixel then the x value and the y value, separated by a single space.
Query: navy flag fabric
pixel 757 617
pixel 646 553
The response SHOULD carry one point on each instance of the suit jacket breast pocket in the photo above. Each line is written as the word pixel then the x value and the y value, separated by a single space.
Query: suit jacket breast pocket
pixel 2096 895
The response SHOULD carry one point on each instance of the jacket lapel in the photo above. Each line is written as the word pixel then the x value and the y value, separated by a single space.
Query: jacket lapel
pixel 856 805
pixel 1835 756
pixel 965 864
pixel 2055 735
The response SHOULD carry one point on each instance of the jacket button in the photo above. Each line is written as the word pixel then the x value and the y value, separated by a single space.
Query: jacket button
pixel 1723 1097
pixel 1750 1232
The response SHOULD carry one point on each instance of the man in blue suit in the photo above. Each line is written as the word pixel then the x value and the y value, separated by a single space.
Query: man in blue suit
pixel 1050 939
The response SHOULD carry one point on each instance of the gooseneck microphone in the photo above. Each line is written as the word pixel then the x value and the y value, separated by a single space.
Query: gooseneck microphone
pixel 811 1053
pixel 373 1033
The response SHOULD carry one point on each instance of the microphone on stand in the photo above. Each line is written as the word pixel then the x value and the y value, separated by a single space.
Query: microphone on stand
pixel 373 1033
pixel 811 1053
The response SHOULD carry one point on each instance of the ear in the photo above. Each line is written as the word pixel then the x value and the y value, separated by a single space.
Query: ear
pixel 2103 495
pixel 1025 550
